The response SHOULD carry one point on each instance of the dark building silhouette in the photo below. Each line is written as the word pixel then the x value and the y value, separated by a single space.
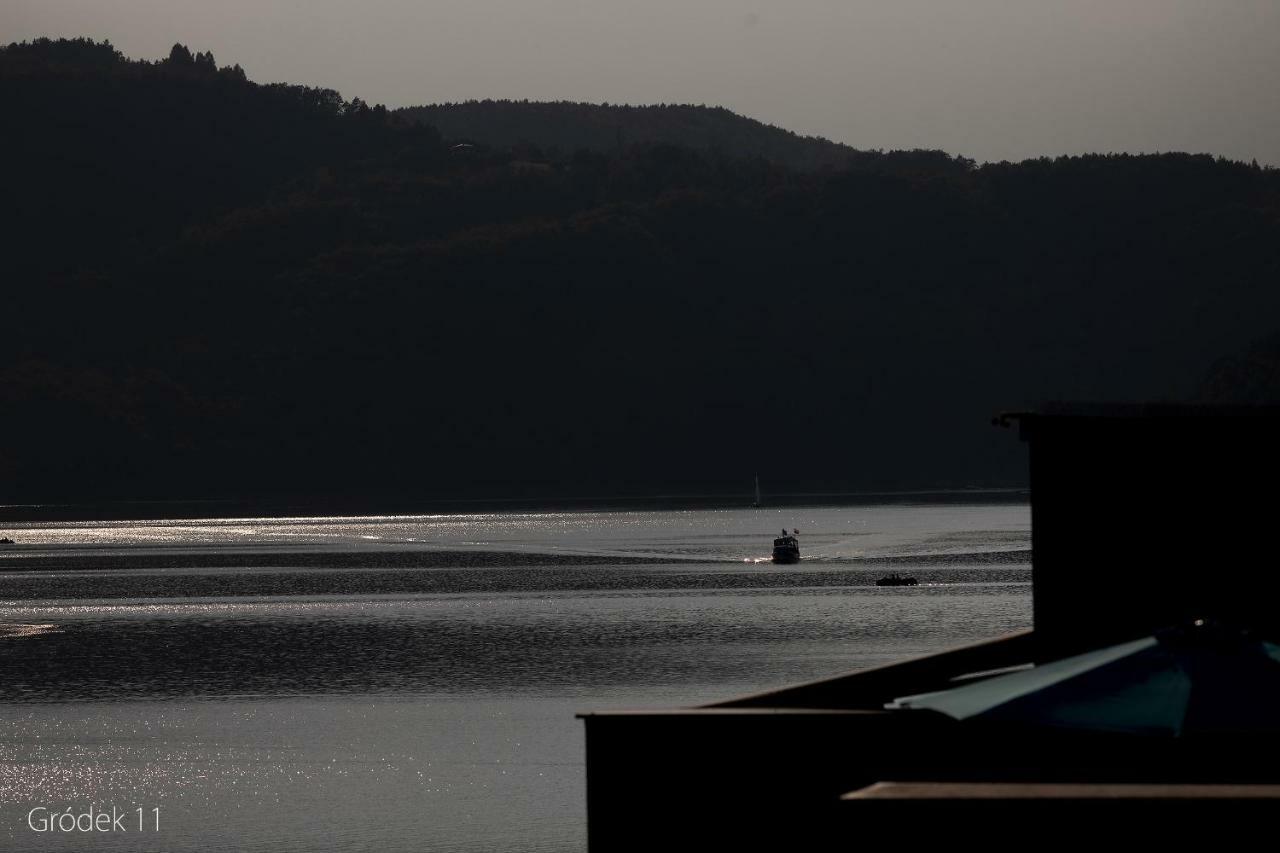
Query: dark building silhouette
pixel 1147 516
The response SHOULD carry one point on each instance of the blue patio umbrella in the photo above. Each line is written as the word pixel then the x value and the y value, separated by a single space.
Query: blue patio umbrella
pixel 1198 679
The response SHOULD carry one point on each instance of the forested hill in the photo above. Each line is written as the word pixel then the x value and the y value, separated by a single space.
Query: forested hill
pixel 215 288
pixel 113 157
pixel 1250 377
pixel 566 127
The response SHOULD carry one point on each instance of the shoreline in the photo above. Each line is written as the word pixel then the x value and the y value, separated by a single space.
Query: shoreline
pixel 330 507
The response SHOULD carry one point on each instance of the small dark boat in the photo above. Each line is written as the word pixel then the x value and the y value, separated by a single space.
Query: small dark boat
pixel 6 541
pixel 786 548
pixel 897 580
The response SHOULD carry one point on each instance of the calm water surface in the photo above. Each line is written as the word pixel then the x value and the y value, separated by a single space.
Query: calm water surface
pixel 410 683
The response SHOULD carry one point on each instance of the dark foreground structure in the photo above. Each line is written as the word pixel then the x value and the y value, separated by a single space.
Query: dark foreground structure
pixel 1143 517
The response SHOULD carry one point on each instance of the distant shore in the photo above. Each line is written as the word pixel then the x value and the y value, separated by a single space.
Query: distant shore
pixel 312 506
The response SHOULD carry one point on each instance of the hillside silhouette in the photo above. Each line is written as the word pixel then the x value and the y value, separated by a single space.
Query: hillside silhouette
pixel 556 128
pixel 1250 377
pixel 219 288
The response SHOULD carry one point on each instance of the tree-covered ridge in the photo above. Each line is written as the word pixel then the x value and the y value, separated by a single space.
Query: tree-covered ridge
pixel 1249 377
pixel 566 126
pixel 119 153
pixel 219 288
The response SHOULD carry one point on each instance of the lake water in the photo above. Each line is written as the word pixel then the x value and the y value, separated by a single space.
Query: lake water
pixel 410 683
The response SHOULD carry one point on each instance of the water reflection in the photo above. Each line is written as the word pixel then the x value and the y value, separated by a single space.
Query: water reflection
pixel 465 644
pixel 410 683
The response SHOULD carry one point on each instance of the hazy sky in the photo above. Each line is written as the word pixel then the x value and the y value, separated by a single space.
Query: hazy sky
pixel 991 79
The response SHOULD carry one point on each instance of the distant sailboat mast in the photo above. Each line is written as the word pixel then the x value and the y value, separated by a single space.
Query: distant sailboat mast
pixel 757 503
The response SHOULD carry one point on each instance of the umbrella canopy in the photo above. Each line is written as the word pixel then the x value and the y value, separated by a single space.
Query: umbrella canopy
pixel 1198 679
